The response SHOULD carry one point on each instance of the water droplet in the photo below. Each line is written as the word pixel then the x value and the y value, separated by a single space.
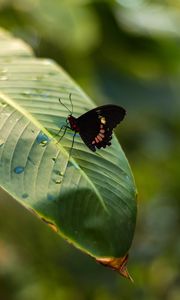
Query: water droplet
pixel 3 71
pixel 3 74
pixel 127 177
pixel 44 143
pixel 42 139
pixel 25 195
pixel 58 181
pixel 3 77
pixel 58 172
pixel 47 62
pixel 27 93
pixel 3 104
pixel 19 170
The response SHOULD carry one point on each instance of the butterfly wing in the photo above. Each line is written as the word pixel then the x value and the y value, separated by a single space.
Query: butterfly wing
pixel 96 125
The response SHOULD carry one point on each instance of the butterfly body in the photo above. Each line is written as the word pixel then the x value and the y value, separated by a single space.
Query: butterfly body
pixel 96 126
pixel 73 123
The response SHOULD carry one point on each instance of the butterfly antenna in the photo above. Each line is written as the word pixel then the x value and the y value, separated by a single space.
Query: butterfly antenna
pixel 65 106
pixel 71 102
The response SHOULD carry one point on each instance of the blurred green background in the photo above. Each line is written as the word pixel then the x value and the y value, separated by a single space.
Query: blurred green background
pixel 125 52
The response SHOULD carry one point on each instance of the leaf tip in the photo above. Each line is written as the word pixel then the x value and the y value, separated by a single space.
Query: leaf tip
pixel 118 264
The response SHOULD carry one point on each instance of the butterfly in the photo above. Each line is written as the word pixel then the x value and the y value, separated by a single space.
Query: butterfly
pixel 95 127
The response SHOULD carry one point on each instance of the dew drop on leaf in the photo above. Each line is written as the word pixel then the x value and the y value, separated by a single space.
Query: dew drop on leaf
pixel 27 93
pixel 3 71
pixel 42 139
pixel 19 170
pixel 47 62
pixel 58 181
pixel 3 77
pixel 58 172
pixel 25 195
pixel 3 104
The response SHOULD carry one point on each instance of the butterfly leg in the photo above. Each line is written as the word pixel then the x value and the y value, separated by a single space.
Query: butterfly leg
pixel 59 131
pixel 72 144
pixel 63 127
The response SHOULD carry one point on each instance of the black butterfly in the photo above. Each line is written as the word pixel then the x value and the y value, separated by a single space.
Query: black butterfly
pixel 95 126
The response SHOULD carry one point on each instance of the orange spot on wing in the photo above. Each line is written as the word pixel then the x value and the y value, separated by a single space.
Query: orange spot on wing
pixel 99 137
pixel 96 139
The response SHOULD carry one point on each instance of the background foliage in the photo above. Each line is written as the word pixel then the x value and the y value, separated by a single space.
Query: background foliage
pixel 124 52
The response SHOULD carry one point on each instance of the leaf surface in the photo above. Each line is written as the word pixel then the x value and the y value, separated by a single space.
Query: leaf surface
pixel 89 198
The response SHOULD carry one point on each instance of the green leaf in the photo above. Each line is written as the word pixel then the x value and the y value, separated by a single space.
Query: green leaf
pixel 89 198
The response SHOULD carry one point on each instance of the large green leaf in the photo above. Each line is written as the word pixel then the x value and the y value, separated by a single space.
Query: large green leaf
pixel 89 198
